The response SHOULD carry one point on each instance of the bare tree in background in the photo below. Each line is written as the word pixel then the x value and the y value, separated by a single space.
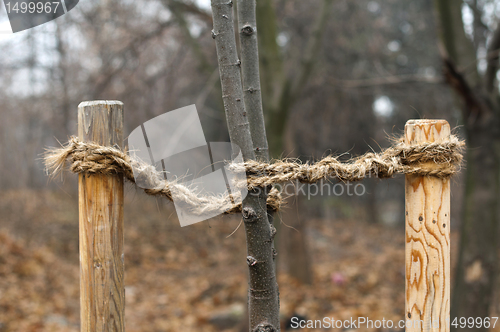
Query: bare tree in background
pixel 479 92
pixel 281 91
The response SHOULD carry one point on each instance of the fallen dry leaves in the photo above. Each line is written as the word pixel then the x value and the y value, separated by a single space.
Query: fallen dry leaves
pixel 182 279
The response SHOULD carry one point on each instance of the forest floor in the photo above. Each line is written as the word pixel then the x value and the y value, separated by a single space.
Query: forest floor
pixel 187 279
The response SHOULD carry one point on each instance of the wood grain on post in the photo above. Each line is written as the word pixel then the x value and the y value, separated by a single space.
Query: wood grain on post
pixel 427 238
pixel 102 292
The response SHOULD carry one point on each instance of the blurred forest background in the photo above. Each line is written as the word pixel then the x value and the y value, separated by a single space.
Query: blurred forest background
pixel 337 76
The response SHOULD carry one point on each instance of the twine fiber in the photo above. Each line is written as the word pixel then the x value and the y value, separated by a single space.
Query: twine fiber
pixel 440 159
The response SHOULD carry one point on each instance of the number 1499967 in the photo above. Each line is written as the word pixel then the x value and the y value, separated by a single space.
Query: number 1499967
pixel 32 7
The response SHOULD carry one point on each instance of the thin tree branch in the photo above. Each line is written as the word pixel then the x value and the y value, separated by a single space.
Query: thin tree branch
pixel 205 92
pixel 247 25
pixel 263 303
pixel 473 64
pixel 491 70
pixel 271 59
pixel 177 7
pixel 110 72
pixel 479 26
pixel 194 9
pixel 474 104
pixel 311 52
pixel 229 71
pixel 456 50
pixel 63 78
pixel 387 80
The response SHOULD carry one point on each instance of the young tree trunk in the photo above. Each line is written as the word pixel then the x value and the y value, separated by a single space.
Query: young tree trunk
pixel 249 49
pixel 263 299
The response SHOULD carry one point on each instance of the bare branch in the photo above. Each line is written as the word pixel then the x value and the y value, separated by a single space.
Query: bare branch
pixel 387 80
pixel 491 70
pixel 271 60
pixel 110 72
pixel 194 9
pixel 229 70
pixel 247 25
pixel 479 27
pixel 456 50
pixel 177 8
pixel 475 104
pixel 311 52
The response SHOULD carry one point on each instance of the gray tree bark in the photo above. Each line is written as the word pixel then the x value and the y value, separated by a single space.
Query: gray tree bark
pixel 247 24
pixel 263 302
pixel 249 50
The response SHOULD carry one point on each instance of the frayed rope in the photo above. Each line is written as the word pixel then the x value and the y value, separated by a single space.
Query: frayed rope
pixel 440 159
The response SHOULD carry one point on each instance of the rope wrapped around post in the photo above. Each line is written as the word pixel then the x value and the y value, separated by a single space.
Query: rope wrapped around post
pixel 440 159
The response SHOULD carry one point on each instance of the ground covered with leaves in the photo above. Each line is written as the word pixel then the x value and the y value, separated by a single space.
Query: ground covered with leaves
pixel 186 279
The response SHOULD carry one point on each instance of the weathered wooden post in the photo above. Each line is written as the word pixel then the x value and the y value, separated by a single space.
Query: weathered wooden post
pixel 427 238
pixel 102 292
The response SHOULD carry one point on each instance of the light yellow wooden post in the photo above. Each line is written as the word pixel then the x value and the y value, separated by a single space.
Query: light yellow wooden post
pixel 102 292
pixel 427 238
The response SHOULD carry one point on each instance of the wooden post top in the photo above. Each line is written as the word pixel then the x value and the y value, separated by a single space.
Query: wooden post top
pixel 101 121
pixel 419 131
pixel 99 102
